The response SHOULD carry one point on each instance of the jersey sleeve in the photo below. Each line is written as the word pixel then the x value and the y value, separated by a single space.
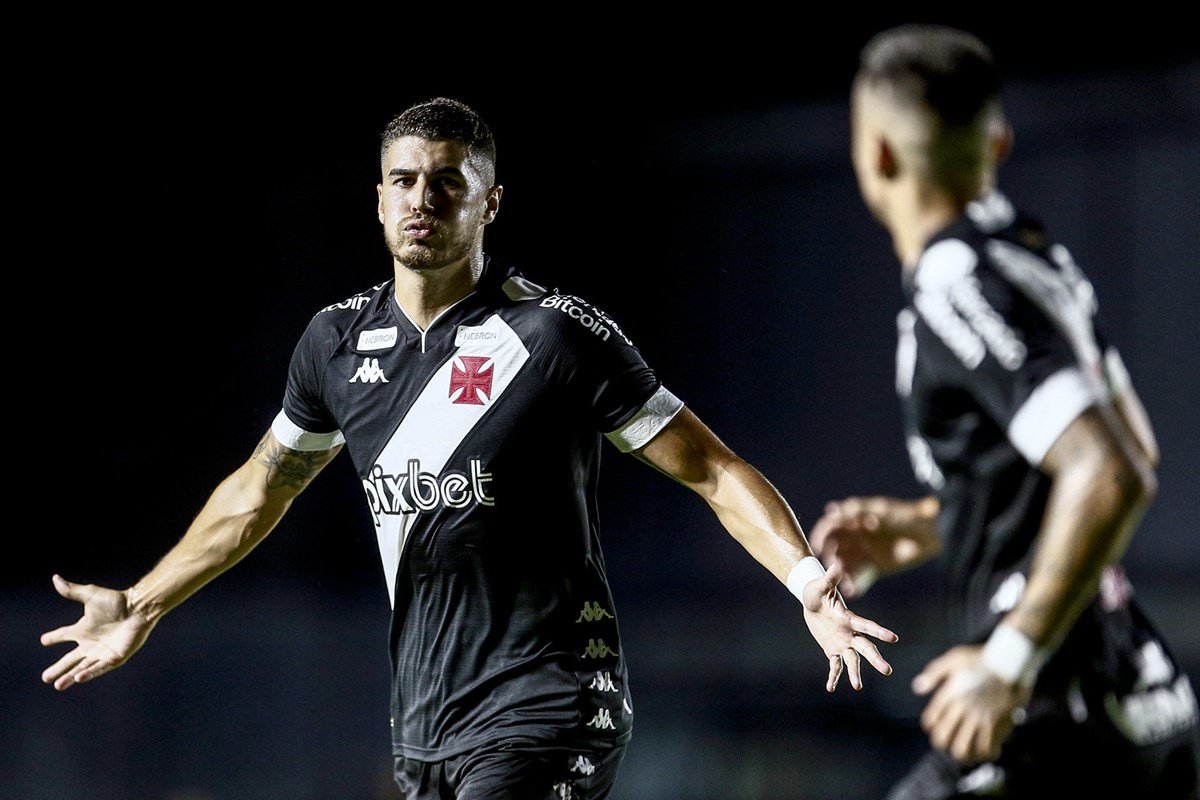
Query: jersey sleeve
pixel 305 423
pixel 1011 334
pixel 606 373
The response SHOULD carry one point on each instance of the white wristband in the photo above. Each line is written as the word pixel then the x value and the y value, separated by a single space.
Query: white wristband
pixel 1011 656
pixel 806 569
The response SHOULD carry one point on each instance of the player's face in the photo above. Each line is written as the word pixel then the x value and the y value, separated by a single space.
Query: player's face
pixel 433 202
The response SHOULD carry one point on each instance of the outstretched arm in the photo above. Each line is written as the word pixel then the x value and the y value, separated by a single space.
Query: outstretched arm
pixel 238 515
pixel 755 514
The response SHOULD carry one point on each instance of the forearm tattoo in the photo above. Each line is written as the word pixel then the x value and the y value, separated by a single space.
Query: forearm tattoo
pixel 290 468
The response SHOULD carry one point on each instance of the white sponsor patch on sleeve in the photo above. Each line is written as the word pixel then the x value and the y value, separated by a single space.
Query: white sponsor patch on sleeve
pixel 651 418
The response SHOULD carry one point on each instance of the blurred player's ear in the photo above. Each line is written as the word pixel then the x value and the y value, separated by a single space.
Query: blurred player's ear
pixel 1000 134
pixel 379 201
pixel 886 163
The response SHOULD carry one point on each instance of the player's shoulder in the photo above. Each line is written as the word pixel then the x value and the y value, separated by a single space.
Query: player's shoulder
pixel 574 317
pixel 352 305
pixel 994 258
pixel 336 320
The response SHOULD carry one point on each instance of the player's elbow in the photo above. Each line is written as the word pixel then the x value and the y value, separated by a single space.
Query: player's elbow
pixel 1132 479
pixel 1147 487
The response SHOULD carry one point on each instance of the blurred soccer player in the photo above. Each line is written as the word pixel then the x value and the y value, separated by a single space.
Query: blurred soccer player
pixel 472 402
pixel 1023 423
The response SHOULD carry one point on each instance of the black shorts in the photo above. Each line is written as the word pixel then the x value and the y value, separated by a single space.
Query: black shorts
pixel 1059 758
pixel 515 769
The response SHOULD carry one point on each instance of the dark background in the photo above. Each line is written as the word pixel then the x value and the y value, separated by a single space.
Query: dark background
pixel 193 204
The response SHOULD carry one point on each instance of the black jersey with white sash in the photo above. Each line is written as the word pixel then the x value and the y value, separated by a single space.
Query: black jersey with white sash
pixel 998 354
pixel 478 445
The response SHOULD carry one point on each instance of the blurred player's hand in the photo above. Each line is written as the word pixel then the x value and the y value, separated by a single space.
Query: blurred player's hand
pixel 972 711
pixel 873 536
pixel 841 633
pixel 105 636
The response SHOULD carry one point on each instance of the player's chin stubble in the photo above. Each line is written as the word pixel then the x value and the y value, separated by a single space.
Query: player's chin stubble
pixel 416 256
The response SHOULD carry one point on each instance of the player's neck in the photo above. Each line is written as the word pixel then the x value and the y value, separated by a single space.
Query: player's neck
pixel 423 294
pixel 916 220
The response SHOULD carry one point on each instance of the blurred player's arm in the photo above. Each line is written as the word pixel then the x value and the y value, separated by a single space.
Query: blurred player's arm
pixel 1102 481
pixel 1129 405
pixel 872 537
pixel 758 517
pixel 241 511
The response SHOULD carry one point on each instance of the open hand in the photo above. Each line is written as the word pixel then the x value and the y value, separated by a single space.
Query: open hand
pixel 841 633
pixel 107 634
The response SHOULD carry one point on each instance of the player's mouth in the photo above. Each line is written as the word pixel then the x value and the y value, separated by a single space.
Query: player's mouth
pixel 419 229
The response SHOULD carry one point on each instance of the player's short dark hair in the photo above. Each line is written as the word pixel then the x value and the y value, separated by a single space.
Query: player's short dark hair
pixel 443 118
pixel 948 71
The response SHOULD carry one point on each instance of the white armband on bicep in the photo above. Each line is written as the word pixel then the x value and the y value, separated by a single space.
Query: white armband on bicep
pixel 651 418
pixel 292 436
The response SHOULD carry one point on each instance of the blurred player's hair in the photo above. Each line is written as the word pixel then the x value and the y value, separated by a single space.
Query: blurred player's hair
pixel 443 118
pixel 948 77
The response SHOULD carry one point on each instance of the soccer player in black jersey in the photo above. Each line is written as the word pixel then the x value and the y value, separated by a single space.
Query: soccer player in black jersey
pixel 472 402
pixel 1039 458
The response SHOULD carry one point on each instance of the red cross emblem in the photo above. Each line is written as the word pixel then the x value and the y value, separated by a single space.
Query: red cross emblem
pixel 473 383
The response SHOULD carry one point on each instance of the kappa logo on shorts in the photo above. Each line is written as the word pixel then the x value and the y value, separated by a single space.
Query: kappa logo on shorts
pixel 596 648
pixel 471 383
pixel 582 765
pixel 602 721
pixel 593 612
pixel 603 682
pixel 369 372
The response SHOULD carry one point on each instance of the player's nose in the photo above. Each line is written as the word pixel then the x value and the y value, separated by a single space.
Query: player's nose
pixel 421 197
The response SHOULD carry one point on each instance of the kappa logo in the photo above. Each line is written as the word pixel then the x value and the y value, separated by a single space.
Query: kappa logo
pixel 369 372
pixel 593 612
pixel 603 682
pixel 582 765
pixel 602 720
pixel 596 648
pixel 471 383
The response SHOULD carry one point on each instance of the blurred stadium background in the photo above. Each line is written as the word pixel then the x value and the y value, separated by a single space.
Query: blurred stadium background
pixel 200 219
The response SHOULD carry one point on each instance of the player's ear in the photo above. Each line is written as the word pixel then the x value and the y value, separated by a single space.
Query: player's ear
pixel 379 201
pixel 492 204
pixel 1000 135
pixel 886 162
